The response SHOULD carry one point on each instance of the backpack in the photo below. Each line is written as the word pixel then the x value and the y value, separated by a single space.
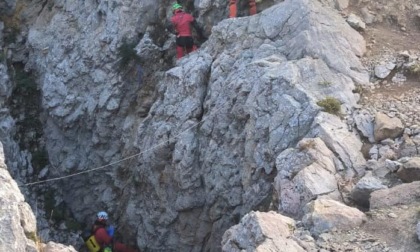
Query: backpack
pixel 92 244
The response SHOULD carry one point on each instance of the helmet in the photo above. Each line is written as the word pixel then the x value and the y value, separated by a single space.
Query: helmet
pixel 176 6
pixel 102 216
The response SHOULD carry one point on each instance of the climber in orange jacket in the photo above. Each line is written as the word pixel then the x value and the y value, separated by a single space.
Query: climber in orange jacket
pixel 182 22
pixel 233 8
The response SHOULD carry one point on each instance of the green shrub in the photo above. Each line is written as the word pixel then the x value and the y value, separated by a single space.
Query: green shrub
pixel 325 83
pixel 73 225
pixel 25 82
pixel 127 54
pixel 330 105
pixel 415 68
pixel 39 159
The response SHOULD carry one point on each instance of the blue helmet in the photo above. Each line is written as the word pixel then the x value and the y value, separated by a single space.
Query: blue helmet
pixel 102 215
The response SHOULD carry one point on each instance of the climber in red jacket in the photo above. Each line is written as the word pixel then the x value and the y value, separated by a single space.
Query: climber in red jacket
pixel 233 8
pixel 103 238
pixel 181 22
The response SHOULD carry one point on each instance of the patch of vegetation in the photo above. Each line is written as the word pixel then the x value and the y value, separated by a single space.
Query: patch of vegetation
pixel 73 225
pixel 127 54
pixel 35 238
pixel 25 82
pixel 414 69
pixel 49 202
pixel 11 35
pixel 330 105
pixel 2 56
pixel 325 83
pixel 39 159
pixel 32 236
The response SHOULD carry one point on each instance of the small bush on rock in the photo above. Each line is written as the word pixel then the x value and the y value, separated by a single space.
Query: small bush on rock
pixel 330 105
pixel 127 54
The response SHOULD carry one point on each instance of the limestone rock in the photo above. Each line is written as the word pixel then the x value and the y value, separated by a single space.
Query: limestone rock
pixel 363 188
pixel 368 17
pixel 56 247
pixel 324 215
pixel 382 71
pixel 210 127
pixel 409 148
pixel 386 127
pixel 340 140
pixel 342 4
pixel 261 232
pixel 410 171
pixel 16 218
pixel 364 123
pixel 400 194
pixel 356 22
pixel 300 171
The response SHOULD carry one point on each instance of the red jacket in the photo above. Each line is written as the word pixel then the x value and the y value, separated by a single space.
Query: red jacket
pixel 103 238
pixel 182 23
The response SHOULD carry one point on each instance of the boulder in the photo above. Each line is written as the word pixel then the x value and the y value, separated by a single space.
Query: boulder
pixel 324 215
pixel 364 187
pixel 409 148
pixel 356 22
pixel 382 71
pixel 410 170
pixel 399 195
pixel 259 231
pixel 386 127
pixel 364 123
pixel 304 173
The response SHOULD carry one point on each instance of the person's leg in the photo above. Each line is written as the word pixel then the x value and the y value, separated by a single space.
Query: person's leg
pixel 179 52
pixel 189 44
pixel 232 8
pixel 180 44
pixel 252 7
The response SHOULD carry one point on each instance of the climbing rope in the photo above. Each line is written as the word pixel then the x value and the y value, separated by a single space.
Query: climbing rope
pixel 129 157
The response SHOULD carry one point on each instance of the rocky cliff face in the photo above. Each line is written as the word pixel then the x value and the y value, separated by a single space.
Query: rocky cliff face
pixel 178 152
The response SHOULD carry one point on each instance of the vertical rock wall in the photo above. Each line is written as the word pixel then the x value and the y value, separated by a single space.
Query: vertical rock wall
pixel 205 134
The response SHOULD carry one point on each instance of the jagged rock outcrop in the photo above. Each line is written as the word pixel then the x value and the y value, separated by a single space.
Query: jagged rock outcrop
pixel 261 232
pixel 253 87
pixel 324 215
pixel 299 173
pixel 17 222
pixel 203 141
